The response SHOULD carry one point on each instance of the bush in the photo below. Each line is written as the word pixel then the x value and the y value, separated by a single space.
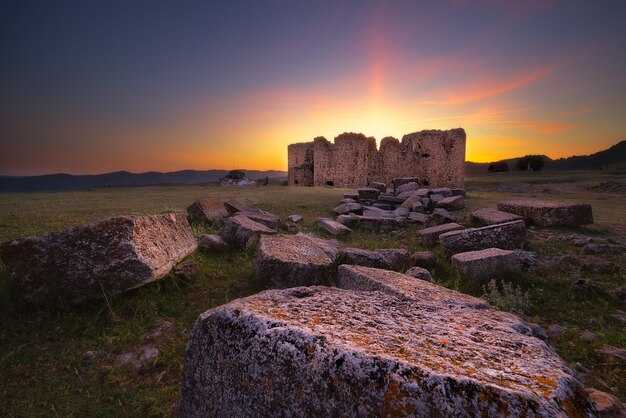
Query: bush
pixel 510 298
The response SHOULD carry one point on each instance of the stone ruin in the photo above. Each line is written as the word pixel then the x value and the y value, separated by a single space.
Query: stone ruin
pixel 435 157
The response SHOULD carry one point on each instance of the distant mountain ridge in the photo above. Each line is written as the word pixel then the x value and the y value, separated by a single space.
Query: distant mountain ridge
pixel 55 182
pixel 607 158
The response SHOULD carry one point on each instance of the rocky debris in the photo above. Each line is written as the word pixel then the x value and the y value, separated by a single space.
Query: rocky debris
pixel 380 186
pixel 266 218
pixel 354 353
pixel 351 195
pixel 582 284
pixel 397 182
pixel 452 203
pixel 528 259
pixel 549 213
pixel 240 229
pixel 368 193
pixel 457 192
pixel 555 331
pixel 443 191
pixel 233 206
pixel 603 249
pixel 139 358
pixel 329 246
pixel 608 406
pixel 290 261
pixel 599 266
pixel 588 336
pixel 436 198
pixel 431 234
pixel 376 223
pixel 389 259
pixel 419 273
pixel 509 235
pixel 482 265
pixel 609 350
pixel 346 200
pixel 419 218
pixel 213 243
pixel 186 270
pixel 441 216
pixel 291 227
pixel 492 216
pixel 383 206
pixel 109 256
pixel 390 199
pixel 538 331
pixel 406 187
pixel 409 201
pixel 165 329
pixel 405 195
pixel 425 259
pixel 401 212
pixel 348 208
pixel 348 220
pixel 206 210
pixel 334 227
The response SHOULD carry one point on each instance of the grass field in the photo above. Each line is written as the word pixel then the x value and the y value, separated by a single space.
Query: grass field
pixel 43 367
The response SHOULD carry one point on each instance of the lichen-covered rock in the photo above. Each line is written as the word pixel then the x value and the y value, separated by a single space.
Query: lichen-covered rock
pixel 431 234
pixel 608 405
pixel 549 212
pixel 424 259
pixel 483 265
pixel 233 206
pixel 266 218
pixel 240 229
pixel 112 256
pixel 213 243
pixel 418 218
pixel 291 261
pixel 348 208
pixel 399 181
pixel 419 273
pixel 451 203
pixel 321 351
pixel 379 223
pixel 334 227
pixel 508 236
pixel 441 216
pixel 368 193
pixel 329 246
pixel 380 186
pixel 406 187
pixel 391 259
pixel 206 210
pixel 492 216
pixel 186 270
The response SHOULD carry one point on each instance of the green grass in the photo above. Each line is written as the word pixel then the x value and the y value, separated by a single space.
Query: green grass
pixel 43 371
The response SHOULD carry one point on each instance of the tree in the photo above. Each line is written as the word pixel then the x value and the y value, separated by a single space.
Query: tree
pixel 530 162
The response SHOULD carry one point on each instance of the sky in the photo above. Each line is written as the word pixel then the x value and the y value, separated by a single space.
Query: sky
pixel 89 87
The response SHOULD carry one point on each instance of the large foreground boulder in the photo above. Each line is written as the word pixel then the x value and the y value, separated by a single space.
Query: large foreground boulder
pixel 291 261
pixel 509 236
pixel 105 257
pixel 240 229
pixel 206 210
pixel 319 351
pixel 549 212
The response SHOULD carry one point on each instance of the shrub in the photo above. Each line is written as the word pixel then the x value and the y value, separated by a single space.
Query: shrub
pixel 510 298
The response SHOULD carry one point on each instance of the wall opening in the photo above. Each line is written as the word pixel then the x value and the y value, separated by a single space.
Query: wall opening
pixel 425 155
pixel 295 181
pixel 330 183
pixel 425 182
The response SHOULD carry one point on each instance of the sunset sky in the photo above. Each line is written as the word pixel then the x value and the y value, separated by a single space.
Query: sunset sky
pixel 99 86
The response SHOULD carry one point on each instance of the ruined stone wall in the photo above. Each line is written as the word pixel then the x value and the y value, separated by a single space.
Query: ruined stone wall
pixel 435 157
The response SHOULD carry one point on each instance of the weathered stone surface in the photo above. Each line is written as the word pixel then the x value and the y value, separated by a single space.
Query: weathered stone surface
pixel 368 193
pixel 348 220
pixel 290 261
pixel 233 206
pixel 348 208
pixel 603 248
pixel 334 227
pixel 211 242
pixel 400 181
pixel 492 216
pixel 406 187
pixel 420 273
pixel 550 213
pixel 266 218
pixel 408 203
pixel 443 191
pixel 390 199
pixel 112 256
pixel 390 259
pixel 425 259
pixel 431 234
pixel 379 223
pixel 380 186
pixel 436 198
pixel 419 218
pixel 441 216
pixel 457 192
pixel 353 353
pixel 329 246
pixel 483 265
pixel 379 213
pixel 452 203
pixel 240 229
pixel 351 195
pixel 186 270
pixel 408 193
pixel 508 236
pixel 383 206
pixel 294 218
pixel 417 207
pixel 608 405
pixel 402 286
pixel 206 210
pixel 401 212
pixel 611 351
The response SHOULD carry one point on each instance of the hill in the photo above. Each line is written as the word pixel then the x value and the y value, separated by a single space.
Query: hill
pixel 54 182
pixel 614 157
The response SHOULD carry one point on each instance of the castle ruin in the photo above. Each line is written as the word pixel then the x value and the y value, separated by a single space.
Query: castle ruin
pixel 435 157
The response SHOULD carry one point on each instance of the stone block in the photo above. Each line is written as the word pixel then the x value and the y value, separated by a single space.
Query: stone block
pixel 380 186
pixel 397 182
pixel 431 234
pixel 492 216
pixel 441 216
pixel 406 187
pixel 212 243
pixel 389 259
pixel 88 261
pixel 508 236
pixel 452 203
pixel 334 227
pixel 550 213
pixel 233 206
pixel 206 210
pixel 290 261
pixel 239 229
pixel 368 193
pixel 420 273
pixel 483 265
pixel 418 218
